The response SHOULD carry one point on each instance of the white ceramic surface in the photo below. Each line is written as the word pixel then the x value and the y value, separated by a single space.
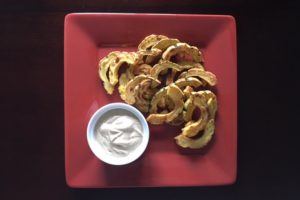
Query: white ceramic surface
pixel 103 154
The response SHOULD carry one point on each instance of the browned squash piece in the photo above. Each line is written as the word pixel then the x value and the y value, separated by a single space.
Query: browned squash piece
pixel 161 45
pixel 199 101
pixel 150 40
pixel 143 94
pixel 207 76
pixel 176 96
pixel 186 142
pixel 130 86
pixel 183 48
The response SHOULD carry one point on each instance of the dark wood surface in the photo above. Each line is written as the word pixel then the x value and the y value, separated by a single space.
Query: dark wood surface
pixel 32 103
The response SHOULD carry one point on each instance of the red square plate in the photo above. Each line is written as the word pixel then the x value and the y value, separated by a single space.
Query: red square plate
pixel 89 37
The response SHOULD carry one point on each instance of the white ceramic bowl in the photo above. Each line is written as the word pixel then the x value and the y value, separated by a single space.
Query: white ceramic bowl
pixel 96 147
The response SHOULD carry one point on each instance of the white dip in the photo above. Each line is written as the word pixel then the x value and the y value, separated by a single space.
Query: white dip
pixel 119 132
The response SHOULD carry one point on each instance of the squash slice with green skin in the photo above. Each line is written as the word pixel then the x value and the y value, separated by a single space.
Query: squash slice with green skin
pixel 109 67
pixel 143 94
pixel 130 86
pixel 176 95
pixel 183 48
pixel 150 40
pixel 161 45
pixel 199 101
pixel 207 76
pixel 186 142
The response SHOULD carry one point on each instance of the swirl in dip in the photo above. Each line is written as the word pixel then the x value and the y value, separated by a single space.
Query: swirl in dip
pixel 119 132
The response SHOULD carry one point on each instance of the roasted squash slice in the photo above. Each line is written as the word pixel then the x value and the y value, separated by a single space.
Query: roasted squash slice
pixel 186 142
pixel 130 87
pixel 176 95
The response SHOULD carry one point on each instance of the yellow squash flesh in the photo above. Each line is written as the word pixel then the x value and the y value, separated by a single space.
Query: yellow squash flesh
pixel 186 142
pixel 130 86
pixel 176 95
pixel 183 48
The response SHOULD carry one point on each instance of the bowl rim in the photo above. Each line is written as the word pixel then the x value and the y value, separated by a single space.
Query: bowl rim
pixel 96 147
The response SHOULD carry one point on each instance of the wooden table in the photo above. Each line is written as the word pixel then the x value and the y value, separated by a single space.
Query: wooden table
pixel 32 102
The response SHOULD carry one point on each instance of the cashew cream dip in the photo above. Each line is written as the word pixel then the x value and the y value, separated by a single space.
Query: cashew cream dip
pixel 119 132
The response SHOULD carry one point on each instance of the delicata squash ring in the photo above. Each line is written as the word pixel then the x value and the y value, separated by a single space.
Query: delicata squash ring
pixel 186 142
pixel 123 57
pixel 134 70
pixel 150 40
pixel 104 65
pixel 130 86
pixel 189 81
pixel 192 129
pixel 157 99
pixel 161 45
pixel 211 101
pixel 163 66
pixel 156 69
pixel 183 47
pixel 143 94
pixel 111 64
pixel 176 96
pixel 207 76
